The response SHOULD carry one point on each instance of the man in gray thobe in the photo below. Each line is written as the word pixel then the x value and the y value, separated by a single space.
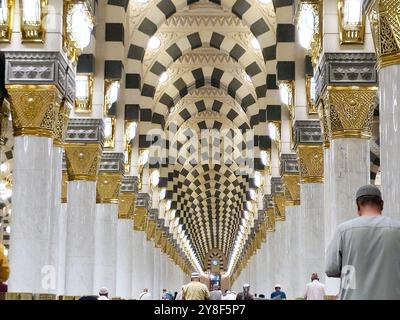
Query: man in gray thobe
pixel 365 252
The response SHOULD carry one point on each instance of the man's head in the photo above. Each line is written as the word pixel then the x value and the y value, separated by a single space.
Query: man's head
pixel 278 287
pixel 215 286
pixel 314 276
pixel 164 290
pixel 145 290
pixel 195 276
pixel 246 287
pixel 103 292
pixel 369 200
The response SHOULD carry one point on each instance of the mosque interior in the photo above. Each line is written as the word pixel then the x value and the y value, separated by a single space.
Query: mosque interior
pixel 142 140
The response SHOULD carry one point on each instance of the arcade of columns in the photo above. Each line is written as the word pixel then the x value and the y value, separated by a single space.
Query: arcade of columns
pixel 84 212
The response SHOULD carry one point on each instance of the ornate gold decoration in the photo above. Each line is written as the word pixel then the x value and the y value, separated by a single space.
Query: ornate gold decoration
pixel 349 111
pixel 150 229
pixel 384 17
pixel 6 28
pixel 34 31
pixel 311 163
pixel 61 123
pixel 350 34
pixel 126 205
pixel 34 109
pixel 107 189
pixel 279 206
pixel 64 187
pixel 270 220
pixel 157 237
pixel 139 219
pixel 82 160
pixel 325 125
pixel 292 189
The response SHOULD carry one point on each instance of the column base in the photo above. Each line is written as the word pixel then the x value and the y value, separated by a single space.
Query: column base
pixel 29 296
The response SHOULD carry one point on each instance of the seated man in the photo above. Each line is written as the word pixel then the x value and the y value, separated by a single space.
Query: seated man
pixel 278 294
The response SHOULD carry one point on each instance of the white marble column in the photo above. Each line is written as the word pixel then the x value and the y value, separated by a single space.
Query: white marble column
pixel 124 258
pixel 350 163
pixel 62 245
pixel 138 264
pixel 31 214
pixel 156 272
pixel 79 264
pixel 56 216
pixel 105 247
pixel 311 226
pixel 389 121
pixel 148 264
pixel 329 227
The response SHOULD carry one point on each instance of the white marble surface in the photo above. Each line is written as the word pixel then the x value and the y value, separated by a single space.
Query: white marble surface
pixel 311 226
pixel 105 247
pixel 79 264
pixel 124 258
pixel 157 269
pixel 329 227
pixel 138 265
pixel 350 163
pixel 148 265
pixel 54 253
pixel 389 117
pixel 31 214
pixel 62 246
pixel 349 170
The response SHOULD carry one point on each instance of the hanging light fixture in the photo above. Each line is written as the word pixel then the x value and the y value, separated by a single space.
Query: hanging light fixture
pixel 78 27
pixel 6 19
pixel 32 18
pixel 255 44
pixel 351 21
pixel 109 132
pixel 308 22
pixel 111 93
pixel 164 77
pixel 155 178
pixel 286 93
pixel 83 93
pixel 154 43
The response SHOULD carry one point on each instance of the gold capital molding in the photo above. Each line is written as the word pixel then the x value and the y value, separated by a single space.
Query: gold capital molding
pixel 384 17
pixel 157 237
pixel 64 187
pixel 292 189
pixel 349 111
pixel 107 188
pixel 326 131
pixel 126 205
pixel 139 219
pixel 82 160
pixel 311 163
pixel 61 123
pixel 150 229
pixel 270 220
pixel 279 207
pixel 34 109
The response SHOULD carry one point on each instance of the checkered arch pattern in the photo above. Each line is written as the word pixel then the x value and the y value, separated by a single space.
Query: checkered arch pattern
pixel 216 254
pixel 209 200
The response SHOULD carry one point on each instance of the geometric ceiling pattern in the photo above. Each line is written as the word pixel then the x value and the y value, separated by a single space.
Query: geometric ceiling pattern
pixel 210 78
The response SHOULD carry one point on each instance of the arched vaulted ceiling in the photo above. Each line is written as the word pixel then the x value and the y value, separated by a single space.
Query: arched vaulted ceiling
pixel 217 82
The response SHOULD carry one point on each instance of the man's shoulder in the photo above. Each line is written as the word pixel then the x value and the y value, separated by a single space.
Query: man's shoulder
pixel 359 222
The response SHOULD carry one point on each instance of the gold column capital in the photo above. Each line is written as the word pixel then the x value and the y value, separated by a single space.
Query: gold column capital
pixel 292 189
pixel 270 220
pixel 82 160
pixel 150 229
pixel 126 205
pixel 311 163
pixel 349 111
pixel 325 126
pixel 107 189
pixel 279 207
pixel 34 109
pixel 61 123
pixel 64 187
pixel 384 17
pixel 139 219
